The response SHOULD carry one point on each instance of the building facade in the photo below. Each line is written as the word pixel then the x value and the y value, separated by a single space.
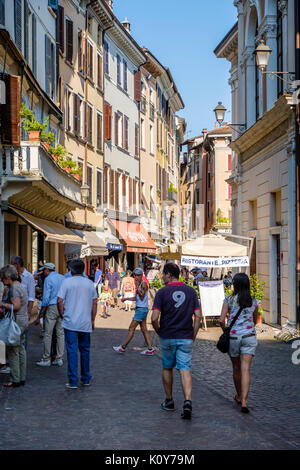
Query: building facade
pixel 263 166
pixel 36 193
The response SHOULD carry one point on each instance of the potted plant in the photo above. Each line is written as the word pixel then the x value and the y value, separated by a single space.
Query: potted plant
pixel 32 126
pixel 59 153
pixel 257 290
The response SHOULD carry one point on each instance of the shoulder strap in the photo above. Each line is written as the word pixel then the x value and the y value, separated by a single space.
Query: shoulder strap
pixel 235 318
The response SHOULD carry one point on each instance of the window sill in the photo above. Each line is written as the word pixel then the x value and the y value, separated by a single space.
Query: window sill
pixel 100 89
pixel 100 151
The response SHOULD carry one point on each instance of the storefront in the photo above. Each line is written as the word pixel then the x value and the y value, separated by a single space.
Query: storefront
pixel 136 243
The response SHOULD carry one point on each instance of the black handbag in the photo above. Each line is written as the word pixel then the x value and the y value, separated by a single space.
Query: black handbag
pixel 224 340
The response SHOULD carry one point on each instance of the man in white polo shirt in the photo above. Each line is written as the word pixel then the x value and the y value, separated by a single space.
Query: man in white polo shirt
pixel 77 305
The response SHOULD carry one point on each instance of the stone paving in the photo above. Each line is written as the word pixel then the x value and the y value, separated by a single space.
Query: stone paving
pixel 121 410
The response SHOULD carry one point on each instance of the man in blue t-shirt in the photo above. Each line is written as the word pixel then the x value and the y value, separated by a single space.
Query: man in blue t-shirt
pixel 174 307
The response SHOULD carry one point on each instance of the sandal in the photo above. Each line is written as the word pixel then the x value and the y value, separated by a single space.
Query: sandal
pixel 11 384
pixel 238 401
pixel 245 409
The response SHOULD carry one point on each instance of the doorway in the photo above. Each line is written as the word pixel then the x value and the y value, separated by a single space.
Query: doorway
pixel 278 271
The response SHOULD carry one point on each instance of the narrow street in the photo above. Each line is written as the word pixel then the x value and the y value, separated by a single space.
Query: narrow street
pixel 121 410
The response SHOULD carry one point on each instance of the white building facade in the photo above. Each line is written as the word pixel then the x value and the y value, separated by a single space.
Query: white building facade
pixel 263 167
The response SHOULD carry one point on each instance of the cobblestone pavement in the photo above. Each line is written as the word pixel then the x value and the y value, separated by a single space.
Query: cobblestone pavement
pixel 121 410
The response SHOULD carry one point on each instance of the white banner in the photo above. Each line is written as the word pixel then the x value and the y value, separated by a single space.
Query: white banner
pixel 211 298
pixel 200 262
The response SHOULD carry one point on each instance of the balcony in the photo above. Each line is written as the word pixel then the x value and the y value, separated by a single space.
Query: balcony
pixel 31 180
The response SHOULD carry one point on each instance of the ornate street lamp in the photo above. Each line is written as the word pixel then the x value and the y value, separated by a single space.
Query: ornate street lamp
pixel 220 111
pixel 262 53
pixel 84 193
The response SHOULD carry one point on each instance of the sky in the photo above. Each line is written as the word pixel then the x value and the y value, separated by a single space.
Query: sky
pixel 183 35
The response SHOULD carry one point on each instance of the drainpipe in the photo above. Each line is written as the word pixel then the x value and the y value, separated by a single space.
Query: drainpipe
pixel 297 139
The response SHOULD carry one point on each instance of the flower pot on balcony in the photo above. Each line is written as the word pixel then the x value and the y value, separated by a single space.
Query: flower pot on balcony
pixel 54 156
pixel 46 145
pixel 77 176
pixel 34 136
pixel 259 319
pixel 67 169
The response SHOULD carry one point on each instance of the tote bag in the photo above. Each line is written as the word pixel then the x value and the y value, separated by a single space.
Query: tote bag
pixel 10 332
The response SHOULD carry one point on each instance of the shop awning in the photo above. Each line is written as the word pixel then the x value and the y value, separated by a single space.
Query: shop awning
pixel 135 236
pixel 55 232
pixel 92 244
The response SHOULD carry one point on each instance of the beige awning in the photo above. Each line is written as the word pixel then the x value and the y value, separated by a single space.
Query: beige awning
pixel 207 245
pixel 54 231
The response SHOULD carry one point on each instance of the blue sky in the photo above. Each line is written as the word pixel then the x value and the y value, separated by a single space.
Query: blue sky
pixel 183 36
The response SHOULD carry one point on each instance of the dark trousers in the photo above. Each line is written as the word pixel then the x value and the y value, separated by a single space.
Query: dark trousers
pixel 78 341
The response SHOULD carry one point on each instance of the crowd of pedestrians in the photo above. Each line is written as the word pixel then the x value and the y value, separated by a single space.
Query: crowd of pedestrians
pixel 67 308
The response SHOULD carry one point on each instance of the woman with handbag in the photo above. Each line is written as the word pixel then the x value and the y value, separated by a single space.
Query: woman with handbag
pixel 18 301
pixel 243 308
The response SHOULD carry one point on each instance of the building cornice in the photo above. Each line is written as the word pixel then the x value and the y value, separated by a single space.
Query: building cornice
pixel 228 47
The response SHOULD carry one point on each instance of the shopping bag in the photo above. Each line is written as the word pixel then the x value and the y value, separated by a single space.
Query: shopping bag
pixel 10 332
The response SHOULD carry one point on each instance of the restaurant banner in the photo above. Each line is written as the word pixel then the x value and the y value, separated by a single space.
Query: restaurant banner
pixel 201 262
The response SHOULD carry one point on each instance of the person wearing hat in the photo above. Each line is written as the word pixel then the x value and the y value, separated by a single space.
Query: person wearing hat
pixel 51 316
pixel 140 316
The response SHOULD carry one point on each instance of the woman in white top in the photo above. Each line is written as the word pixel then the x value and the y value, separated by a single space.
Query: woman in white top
pixel 243 339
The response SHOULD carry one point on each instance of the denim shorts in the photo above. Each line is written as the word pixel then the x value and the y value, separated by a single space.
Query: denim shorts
pixel 242 346
pixel 176 353
pixel 140 314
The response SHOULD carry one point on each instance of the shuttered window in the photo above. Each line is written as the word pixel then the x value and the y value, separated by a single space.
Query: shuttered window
pixel 99 189
pixel 75 114
pixel 112 189
pixel 229 162
pixel 60 30
pixel 107 121
pixel 138 86
pixel 48 65
pixel 34 44
pixel 69 39
pixel 18 23
pixel 118 70
pixel 26 43
pixel 106 58
pixel 10 112
pixel 117 176
pixel 2 12
pixel 90 65
pixel 130 195
pixel 99 132
pixel 99 71
pixel 105 186
pixel 134 196
pixel 89 180
pixel 90 124
pixel 53 4
pixel 125 132
pixel 125 75
pixel 136 141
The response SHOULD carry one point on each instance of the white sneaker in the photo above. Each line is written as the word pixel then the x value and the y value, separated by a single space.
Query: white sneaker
pixel 71 387
pixel 5 370
pixel 148 352
pixel 58 362
pixel 119 349
pixel 43 363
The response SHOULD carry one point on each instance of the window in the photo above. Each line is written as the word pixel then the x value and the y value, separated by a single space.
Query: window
pixel 89 124
pixel 60 28
pixel 18 23
pixel 89 180
pixel 229 162
pixel 125 132
pixel 49 67
pixel 2 12
pixel 279 52
pixel 68 110
pixel 34 44
pixel 143 133
pixel 229 191
pixel 90 25
pixel 118 70
pixel 99 131
pixel 143 104
pixel 90 71
pixel 99 71
pixel 118 129
pixel 151 139
pixel 136 141
pixel 125 75
pixel 81 52
pixel 99 189
pixel 106 58
pixel 69 45
pixel 107 121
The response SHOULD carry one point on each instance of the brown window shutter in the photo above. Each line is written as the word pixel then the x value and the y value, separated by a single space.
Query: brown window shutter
pixel 117 191
pixel 105 187
pixel 60 22
pixel 116 129
pixel 107 121
pixel 130 195
pixel 229 162
pixel 134 195
pixel 138 86
pixel 124 185
pixel 253 259
pixel 75 114
pixel 99 68
pixel 10 112
pixel 69 45
pixel 112 188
